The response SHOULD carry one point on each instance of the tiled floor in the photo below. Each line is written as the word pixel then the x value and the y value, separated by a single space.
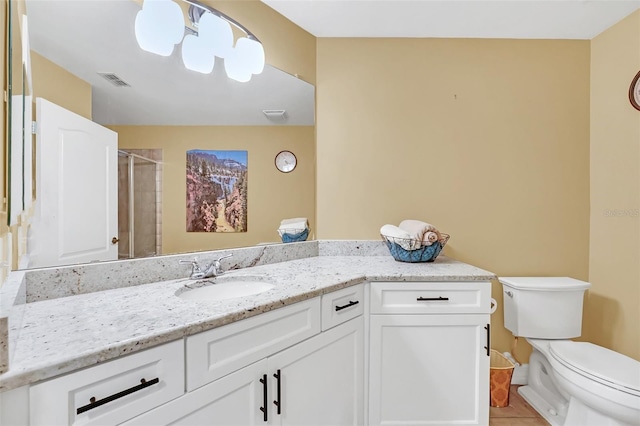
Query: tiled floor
pixel 518 413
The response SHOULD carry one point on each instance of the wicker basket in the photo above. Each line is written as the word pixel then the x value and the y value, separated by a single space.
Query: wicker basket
pixel 500 372
pixel 294 236
pixel 422 253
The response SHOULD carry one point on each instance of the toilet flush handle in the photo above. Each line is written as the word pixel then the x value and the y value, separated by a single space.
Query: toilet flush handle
pixel 508 293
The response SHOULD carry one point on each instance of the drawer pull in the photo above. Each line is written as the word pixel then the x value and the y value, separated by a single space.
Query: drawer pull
pixel 93 403
pixel 264 397
pixel 348 305
pixel 277 401
pixel 422 299
pixel 488 347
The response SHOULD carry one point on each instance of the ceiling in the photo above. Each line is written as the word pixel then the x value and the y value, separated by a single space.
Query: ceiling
pixel 89 37
pixel 521 19
pixel 163 92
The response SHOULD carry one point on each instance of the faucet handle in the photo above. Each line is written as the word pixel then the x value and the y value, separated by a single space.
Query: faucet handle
pixel 193 262
pixel 216 264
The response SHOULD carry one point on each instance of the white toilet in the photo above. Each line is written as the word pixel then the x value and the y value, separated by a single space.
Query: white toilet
pixel 569 383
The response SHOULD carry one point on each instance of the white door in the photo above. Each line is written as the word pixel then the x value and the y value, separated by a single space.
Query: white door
pixel 76 214
pixel 234 400
pixel 429 370
pixel 321 379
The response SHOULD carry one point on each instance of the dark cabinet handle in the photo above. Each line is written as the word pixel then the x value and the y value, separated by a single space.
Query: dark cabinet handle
pixel 488 347
pixel 278 399
pixel 264 397
pixel 348 305
pixel 93 403
pixel 421 299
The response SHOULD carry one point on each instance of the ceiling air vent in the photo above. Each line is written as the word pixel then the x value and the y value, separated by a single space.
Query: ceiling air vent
pixel 113 79
pixel 275 114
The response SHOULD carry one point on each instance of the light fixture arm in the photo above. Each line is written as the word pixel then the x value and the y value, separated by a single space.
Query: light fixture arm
pixel 197 9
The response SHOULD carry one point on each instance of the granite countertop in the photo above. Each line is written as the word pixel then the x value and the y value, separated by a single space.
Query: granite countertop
pixel 61 335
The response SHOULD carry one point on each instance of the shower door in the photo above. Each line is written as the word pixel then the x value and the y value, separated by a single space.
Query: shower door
pixel 139 202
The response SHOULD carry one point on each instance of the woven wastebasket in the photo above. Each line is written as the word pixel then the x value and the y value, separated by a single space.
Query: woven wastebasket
pixel 501 370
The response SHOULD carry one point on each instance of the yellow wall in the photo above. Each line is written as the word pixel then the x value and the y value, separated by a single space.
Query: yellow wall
pixel 486 139
pixel 272 195
pixel 612 311
pixel 59 86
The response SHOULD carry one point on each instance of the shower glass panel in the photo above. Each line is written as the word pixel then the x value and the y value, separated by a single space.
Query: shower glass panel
pixel 139 201
pixel 123 205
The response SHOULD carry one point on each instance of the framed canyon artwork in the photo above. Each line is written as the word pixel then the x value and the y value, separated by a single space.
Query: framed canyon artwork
pixel 216 191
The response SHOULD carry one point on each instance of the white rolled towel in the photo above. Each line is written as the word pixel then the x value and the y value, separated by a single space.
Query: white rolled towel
pixel 418 229
pixel 293 226
pixel 429 238
pixel 294 220
pixel 400 237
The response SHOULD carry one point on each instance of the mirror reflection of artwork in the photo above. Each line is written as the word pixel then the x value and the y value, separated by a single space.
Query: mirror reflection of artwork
pixel 216 191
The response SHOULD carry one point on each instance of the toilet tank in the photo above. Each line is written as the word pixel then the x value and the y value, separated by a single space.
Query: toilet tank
pixel 543 307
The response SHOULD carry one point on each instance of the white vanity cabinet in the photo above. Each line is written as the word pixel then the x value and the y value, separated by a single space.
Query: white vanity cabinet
pixel 429 356
pixel 291 379
pixel 399 353
pixel 316 382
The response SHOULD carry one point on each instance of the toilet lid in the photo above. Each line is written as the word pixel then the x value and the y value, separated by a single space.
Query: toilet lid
pixel 601 364
pixel 544 283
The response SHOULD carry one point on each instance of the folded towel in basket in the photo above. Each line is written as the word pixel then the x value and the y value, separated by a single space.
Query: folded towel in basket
pixel 417 229
pixel 429 238
pixel 401 237
pixel 293 226
pixel 294 220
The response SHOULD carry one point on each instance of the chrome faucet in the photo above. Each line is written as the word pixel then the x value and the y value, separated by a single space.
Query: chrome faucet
pixel 212 270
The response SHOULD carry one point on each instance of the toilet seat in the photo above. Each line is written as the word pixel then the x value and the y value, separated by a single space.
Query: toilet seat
pixel 600 364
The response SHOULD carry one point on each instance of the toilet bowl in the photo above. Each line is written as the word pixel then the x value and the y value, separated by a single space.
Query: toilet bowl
pixel 569 383
pixel 580 384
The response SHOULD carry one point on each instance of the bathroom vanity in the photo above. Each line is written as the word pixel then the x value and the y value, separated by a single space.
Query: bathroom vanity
pixel 347 336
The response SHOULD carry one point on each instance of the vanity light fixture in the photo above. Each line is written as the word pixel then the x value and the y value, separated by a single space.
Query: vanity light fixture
pixel 157 24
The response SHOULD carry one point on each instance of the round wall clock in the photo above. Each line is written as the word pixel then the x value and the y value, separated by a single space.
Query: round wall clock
pixel 286 161
pixel 634 92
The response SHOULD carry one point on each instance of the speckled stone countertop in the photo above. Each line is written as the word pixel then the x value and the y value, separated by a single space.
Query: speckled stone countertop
pixel 64 334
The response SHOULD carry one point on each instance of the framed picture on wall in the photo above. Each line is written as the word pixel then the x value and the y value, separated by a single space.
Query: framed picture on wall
pixel 216 191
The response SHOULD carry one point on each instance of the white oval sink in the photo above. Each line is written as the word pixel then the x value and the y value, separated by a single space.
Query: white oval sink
pixel 222 288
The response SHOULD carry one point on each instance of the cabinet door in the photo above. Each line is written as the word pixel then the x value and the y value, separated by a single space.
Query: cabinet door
pixel 321 379
pixel 429 370
pixel 235 399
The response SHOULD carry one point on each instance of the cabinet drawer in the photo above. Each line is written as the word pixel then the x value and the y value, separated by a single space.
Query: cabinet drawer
pixel 342 305
pixel 115 386
pixel 218 352
pixel 430 297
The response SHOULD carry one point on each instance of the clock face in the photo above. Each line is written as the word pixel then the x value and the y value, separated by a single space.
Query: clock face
pixel 634 92
pixel 286 161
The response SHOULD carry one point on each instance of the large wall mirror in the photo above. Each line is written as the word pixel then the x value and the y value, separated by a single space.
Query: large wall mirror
pixel 82 57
